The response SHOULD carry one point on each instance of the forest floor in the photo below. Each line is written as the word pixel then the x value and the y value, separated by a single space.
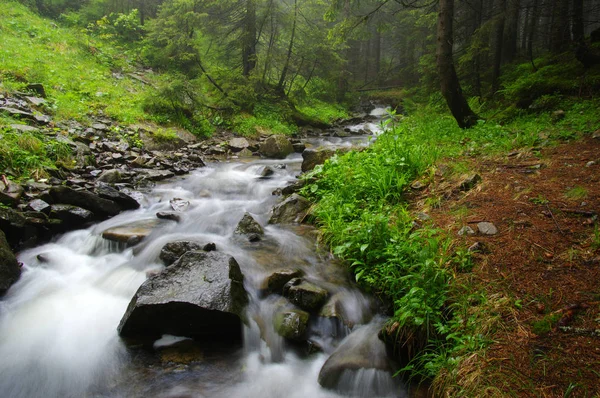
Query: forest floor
pixel 545 258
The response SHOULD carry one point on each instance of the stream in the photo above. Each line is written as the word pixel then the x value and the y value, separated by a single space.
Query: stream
pixel 58 323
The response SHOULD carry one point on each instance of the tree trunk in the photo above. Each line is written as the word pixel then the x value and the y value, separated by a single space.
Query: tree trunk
pixel 559 34
pixel 500 6
pixel 249 39
pixel 577 27
pixel 450 86
pixel 510 31
pixel 377 56
pixel 289 53
pixel 272 38
pixel 532 29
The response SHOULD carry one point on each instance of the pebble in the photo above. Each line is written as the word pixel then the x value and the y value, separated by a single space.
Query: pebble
pixel 487 228
pixel 466 230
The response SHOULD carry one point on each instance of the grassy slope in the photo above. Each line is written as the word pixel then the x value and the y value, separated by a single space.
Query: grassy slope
pixel 75 69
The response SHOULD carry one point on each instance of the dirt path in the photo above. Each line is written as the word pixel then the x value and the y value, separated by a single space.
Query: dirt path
pixel 545 257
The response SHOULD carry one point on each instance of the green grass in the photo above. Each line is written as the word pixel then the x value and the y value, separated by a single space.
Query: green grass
pixel 165 135
pixel 322 111
pixel 28 154
pixel 577 193
pixel 75 68
pixel 266 118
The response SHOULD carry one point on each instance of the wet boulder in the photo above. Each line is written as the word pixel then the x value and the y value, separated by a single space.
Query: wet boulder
pixel 172 251
pixel 10 192
pixel 305 295
pixel 266 173
pixel 179 205
pixel 293 188
pixel 169 215
pixel 125 201
pixel 71 216
pixel 291 324
pixel 111 176
pixel 249 228
pixel 39 205
pixel 9 267
pixel 277 147
pixel 200 296
pixel 15 227
pixel 299 147
pixel 361 353
pixel 313 157
pixel 153 174
pixel 275 282
pixel 292 210
pixel 132 232
pixel 85 199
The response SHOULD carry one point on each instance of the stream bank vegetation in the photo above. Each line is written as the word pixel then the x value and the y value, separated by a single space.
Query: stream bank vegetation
pixel 444 316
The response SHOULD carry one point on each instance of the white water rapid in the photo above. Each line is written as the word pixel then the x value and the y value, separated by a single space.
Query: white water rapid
pixel 58 323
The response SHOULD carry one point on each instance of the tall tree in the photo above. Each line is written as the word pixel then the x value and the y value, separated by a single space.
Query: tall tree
pixel 450 86
pixel 509 48
pixel 559 34
pixel 497 37
pixel 249 39
pixel 280 85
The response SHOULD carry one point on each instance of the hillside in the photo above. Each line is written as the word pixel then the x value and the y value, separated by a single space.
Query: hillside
pixel 81 75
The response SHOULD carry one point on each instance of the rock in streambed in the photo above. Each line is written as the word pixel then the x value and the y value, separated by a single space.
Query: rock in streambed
pixel 201 295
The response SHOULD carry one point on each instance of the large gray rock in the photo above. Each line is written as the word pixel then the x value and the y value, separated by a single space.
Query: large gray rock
pixel 361 350
pixel 200 296
pixel 9 267
pixel 292 210
pixel 277 146
pixel 85 199
pixel 314 157
pixel 172 251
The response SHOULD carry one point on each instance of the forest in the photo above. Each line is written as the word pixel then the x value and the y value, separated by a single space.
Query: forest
pixel 492 116
pixel 222 57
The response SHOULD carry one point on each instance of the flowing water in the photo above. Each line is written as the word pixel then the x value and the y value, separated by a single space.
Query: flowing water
pixel 58 324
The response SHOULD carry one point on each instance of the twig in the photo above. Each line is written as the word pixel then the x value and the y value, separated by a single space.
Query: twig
pixel 580 212
pixel 580 331
pixel 554 219
pixel 5 181
pixel 538 245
